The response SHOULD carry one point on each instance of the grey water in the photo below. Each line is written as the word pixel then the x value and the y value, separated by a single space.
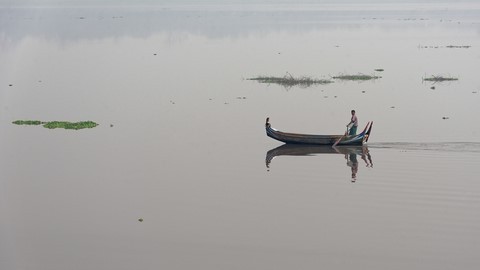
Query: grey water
pixel 179 174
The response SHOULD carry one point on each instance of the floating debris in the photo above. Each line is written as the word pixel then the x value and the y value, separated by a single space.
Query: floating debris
pixel 140 219
pixel 379 69
pixel 433 87
pixel 445 118
pixel 241 97
pixel 288 80
pixel 57 124
pixel 10 85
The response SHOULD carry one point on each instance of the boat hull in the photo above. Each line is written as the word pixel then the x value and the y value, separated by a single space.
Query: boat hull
pixel 295 138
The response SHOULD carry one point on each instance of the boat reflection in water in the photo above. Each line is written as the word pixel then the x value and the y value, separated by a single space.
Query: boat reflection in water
pixel 350 153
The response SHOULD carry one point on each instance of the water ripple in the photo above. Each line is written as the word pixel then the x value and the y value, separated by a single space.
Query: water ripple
pixel 472 147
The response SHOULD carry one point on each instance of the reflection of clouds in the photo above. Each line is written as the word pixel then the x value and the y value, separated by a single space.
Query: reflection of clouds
pixel 234 21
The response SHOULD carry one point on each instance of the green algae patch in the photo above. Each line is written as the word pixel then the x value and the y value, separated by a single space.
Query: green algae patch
pixel 58 124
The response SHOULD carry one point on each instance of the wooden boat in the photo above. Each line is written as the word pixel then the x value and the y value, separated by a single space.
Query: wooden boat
pixel 295 138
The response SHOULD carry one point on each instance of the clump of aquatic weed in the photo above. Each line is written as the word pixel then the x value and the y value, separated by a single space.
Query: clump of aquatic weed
pixel 288 80
pixel 448 47
pixel 458 47
pixel 69 125
pixel 58 124
pixel 356 77
pixel 440 79
pixel 28 122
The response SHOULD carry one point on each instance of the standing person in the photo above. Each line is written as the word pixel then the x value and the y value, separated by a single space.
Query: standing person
pixel 353 123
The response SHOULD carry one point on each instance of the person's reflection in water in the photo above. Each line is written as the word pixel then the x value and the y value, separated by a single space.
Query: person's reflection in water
pixel 352 162
pixel 350 153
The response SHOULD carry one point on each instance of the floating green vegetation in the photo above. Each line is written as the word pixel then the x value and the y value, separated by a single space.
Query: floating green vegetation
pixel 357 77
pixel 28 122
pixel 448 46
pixel 288 80
pixel 58 124
pixel 440 79
pixel 69 125
pixel 458 47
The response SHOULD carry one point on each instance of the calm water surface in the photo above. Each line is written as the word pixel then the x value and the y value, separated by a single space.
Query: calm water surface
pixel 181 142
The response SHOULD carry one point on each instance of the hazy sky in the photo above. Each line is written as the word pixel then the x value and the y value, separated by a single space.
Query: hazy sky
pixel 154 2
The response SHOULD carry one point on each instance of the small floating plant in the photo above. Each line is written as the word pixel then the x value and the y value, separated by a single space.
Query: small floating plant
pixel 440 79
pixel 57 124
